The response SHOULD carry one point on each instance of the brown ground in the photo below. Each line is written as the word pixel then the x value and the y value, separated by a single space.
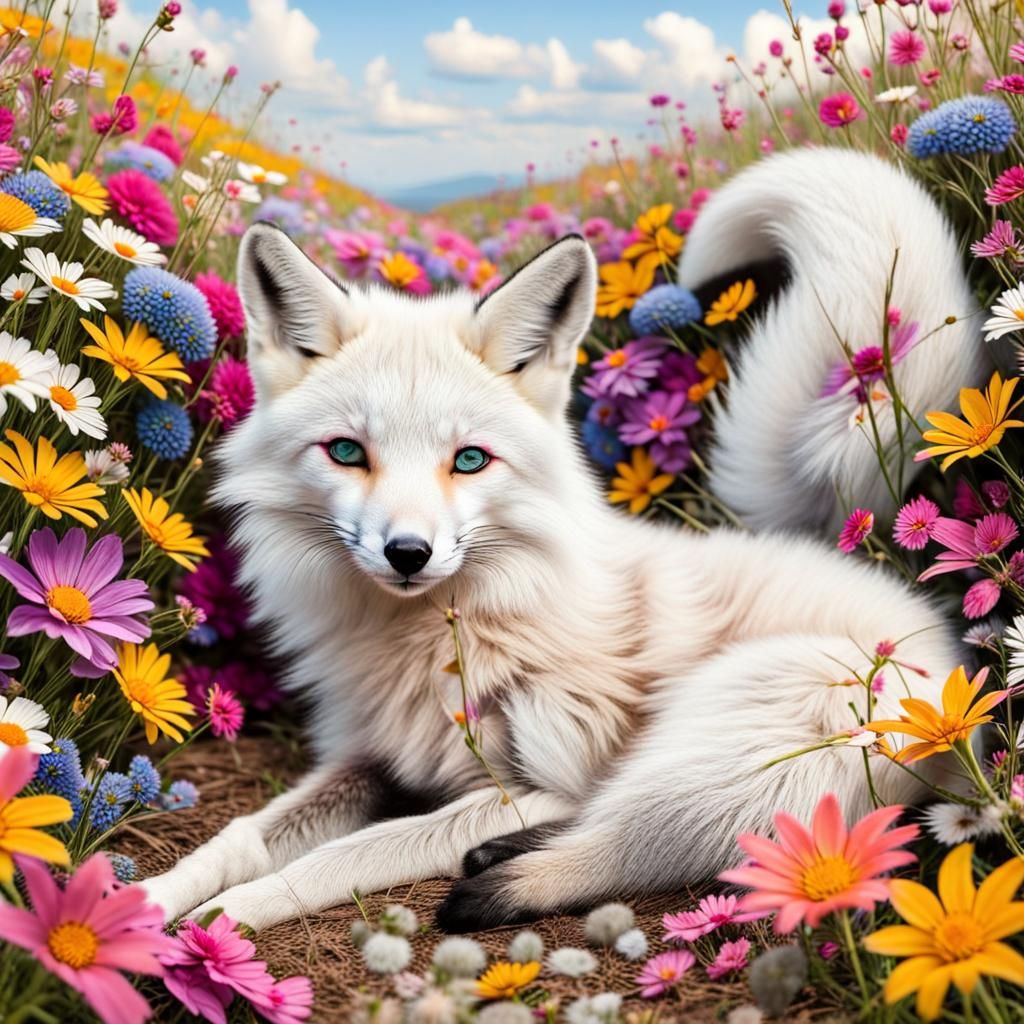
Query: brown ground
pixel 236 780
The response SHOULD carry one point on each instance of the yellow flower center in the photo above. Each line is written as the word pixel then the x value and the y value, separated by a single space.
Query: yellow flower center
pixel 13 735
pixel 979 435
pixel 70 602
pixel 952 728
pixel 141 695
pixel 74 944
pixel 259 177
pixel 667 973
pixel 18 294
pixel 827 877
pixel 8 374
pixel 1019 314
pixel 156 534
pixel 64 398
pixel 62 284
pixel 15 215
pixel 658 423
pixel 125 250
pixel 959 937
pixel 617 358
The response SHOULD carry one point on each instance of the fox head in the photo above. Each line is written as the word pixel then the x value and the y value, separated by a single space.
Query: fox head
pixel 409 439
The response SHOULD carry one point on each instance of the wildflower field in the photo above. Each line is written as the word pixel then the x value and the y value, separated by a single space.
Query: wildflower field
pixel 128 669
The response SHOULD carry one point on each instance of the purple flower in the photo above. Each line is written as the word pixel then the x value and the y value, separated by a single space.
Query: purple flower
pixel 672 458
pixel 627 370
pixel 867 365
pixel 74 596
pixel 660 416
pixel 8 663
pixel 679 372
pixel 212 588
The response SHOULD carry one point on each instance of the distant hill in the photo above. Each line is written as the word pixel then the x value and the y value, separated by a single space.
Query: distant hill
pixel 421 198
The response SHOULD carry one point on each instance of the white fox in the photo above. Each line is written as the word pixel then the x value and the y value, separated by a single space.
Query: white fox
pixel 632 679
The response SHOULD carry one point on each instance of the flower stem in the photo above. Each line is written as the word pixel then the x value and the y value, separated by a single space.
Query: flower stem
pixel 851 949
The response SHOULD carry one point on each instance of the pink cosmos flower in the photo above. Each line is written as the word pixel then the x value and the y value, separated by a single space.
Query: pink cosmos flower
pixel 1007 187
pixel 981 598
pixel 712 913
pixel 810 873
pixel 1002 240
pixel 226 713
pixel 140 201
pixel 627 370
pixel 856 528
pixel 225 305
pixel 913 527
pixel 966 543
pixel 663 971
pixel 906 48
pixel 357 251
pixel 732 956
pixel 839 110
pixel 659 416
pixel 87 932
pixel 74 597
pixel 289 1001
pixel 867 365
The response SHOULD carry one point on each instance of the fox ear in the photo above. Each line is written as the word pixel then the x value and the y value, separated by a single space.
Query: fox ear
pixel 294 312
pixel 531 325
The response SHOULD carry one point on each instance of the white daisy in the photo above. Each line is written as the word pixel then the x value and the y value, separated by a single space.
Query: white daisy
pixel 196 182
pixel 1007 314
pixel 984 634
pixel 123 243
pixel 66 279
pixel 19 220
pixel 234 188
pixel 19 288
pixel 897 94
pixel 102 467
pixel 952 824
pixel 21 725
pixel 75 401
pixel 1013 639
pixel 259 175
pixel 24 372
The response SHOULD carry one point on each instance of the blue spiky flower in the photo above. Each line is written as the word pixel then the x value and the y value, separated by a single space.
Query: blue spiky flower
pixel 125 868
pixel 180 795
pixel 667 307
pixel 112 795
pixel 971 124
pixel 60 771
pixel 174 310
pixel 145 159
pixel 144 778
pixel 36 189
pixel 164 428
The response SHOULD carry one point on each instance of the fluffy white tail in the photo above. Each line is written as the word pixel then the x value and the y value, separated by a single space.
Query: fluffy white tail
pixel 785 456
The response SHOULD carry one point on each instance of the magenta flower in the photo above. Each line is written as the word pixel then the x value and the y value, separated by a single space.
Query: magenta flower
pixel 87 932
pixel 659 100
pixel 914 522
pixel 839 110
pixel 357 251
pixel 993 532
pixel 731 957
pixel 663 971
pixel 289 1001
pixel 712 913
pixel 660 416
pixel 981 598
pixel 74 596
pixel 679 372
pixel 162 138
pixel 966 503
pixel 207 966
pixel 867 364
pixel 226 713
pixel 965 543
pixel 225 305
pixel 123 118
pixel 1002 240
pixel 627 370
pixel 230 395
pixel 1017 52
pixel 997 492
pixel 140 201
pixel 906 48
pixel 1007 187
pixel 672 458
pixel 856 529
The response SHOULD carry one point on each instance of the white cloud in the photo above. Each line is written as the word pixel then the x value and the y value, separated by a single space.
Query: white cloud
pixel 688 49
pixel 391 111
pixel 617 61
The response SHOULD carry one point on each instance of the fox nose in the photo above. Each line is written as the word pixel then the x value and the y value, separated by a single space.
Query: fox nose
pixel 407 554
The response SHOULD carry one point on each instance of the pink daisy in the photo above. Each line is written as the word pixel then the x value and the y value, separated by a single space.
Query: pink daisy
pixel 965 543
pixel 226 713
pixel 74 596
pixel 89 931
pixel 810 873
pixel 981 598
pixel 839 110
pixel 712 913
pixel 867 364
pixel 856 529
pixel 906 48
pixel 913 527
pixel 140 201
pixel 663 971
pixel 289 1001
pixel 732 956
pixel 1002 240
pixel 1007 187
pixel 224 303
pixel 357 251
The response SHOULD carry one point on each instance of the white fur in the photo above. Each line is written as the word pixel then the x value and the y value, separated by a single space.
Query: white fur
pixel 633 678
pixel 785 456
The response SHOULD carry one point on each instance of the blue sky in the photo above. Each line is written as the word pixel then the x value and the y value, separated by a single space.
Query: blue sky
pixel 411 92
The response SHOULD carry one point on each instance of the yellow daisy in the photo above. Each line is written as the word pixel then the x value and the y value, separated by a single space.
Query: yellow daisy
pixel 657 243
pixel 84 189
pixel 171 533
pixel 160 702
pixel 139 355
pixel 638 482
pixel 733 301
pixel 621 285
pixel 503 980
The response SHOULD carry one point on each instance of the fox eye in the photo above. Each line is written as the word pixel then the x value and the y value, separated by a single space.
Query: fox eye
pixel 471 460
pixel 346 452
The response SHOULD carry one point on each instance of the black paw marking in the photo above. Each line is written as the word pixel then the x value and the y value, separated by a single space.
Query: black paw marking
pixel 482 902
pixel 496 851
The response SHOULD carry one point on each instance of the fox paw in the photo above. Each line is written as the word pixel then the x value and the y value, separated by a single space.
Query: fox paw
pixel 486 900
pixel 259 904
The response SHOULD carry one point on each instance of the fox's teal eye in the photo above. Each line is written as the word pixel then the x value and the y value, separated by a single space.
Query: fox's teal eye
pixel 471 460
pixel 346 452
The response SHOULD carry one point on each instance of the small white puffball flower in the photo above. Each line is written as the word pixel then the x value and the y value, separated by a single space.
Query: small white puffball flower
pixel 459 957
pixel 952 824
pixel 433 1007
pixel 387 954
pixel 745 1015
pixel 525 948
pixel 360 932
pixel 408 985
pixel 398 920
pixel 506 1013
pixel 632 944
pixel 571 962
pixel 605 924
pixel 603 1008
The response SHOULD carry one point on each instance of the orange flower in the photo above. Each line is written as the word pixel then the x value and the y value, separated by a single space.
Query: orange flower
pixel 657 243
pixel 621 285
pixel 712 364
pixel 638 482
pixel 503 980
pixel 733 301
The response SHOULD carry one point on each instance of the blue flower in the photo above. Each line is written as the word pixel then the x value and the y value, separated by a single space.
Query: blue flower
pixel 971 124
pixel 203 635
pixel 164 428
pixel 603 444
pixel 174 310
pixel 36 189
pixel 108 803
pixel 667 307
pixel 144 778
pixel 182 794
pixel 285 213
pixel 149 161
pixel 60 772
pixel 125 868
pixel 437 267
